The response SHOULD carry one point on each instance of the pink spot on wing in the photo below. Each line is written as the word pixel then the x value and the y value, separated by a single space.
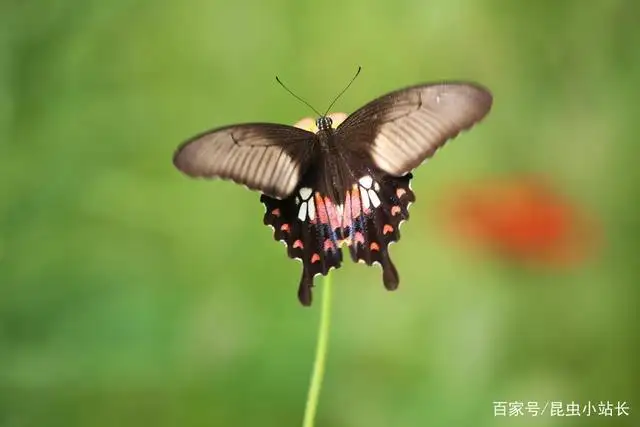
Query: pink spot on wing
pixel 332 213
pixel 328 245
pixel 275 212
pixel 395 210
pixel 298 244
pixel 374 246
pixel 315 258
pixel 346 215
pixel 387 229
pixel 359 237
pixel 284 227
pixel 321 210
pixel 400 192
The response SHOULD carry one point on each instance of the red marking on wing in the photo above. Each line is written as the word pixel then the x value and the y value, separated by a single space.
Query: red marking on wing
pixel 359 237
pixel 400 192
pixel 387 229
pixel 276 212
pixel 374 246
pixel 395 210
pixel 356 206
pixel 315 258
pixel 284 227
pixel 321 209
pixel 298 244
pixel 328 245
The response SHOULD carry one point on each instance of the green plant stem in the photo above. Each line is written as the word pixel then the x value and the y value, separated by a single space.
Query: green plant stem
pixel 321 355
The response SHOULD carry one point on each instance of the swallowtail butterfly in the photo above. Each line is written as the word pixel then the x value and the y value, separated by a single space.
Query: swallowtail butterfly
pixel 340 186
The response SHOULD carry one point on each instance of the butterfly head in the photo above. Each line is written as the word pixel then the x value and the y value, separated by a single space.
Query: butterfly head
pixel 324 123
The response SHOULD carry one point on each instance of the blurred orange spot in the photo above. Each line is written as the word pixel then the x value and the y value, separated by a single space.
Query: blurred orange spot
pixel 523 219
pixel 309 124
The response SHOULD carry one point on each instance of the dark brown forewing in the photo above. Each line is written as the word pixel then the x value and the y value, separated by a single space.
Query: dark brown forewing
pixel 266 157
pixel 403 128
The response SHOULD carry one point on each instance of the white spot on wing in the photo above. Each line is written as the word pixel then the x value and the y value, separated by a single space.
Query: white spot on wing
pixel 302 213
pixel 366 181
pixel 376 186
pixel 365 199
pixel 312 210
pixel 375 201
pixel 305 193
pixel 340 211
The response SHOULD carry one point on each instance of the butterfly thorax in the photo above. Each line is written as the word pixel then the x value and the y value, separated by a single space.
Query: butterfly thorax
pixel 334 174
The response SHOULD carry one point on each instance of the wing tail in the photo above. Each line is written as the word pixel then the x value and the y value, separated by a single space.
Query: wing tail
pixel 374 231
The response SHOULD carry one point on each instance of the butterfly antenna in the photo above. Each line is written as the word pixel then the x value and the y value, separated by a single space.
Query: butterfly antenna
pixel 297 97
pixel 343 90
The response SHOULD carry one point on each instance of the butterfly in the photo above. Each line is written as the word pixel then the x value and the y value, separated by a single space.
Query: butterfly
pixel 347 185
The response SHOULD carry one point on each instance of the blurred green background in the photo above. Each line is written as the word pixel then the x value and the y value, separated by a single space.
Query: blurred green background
pixel 131 295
